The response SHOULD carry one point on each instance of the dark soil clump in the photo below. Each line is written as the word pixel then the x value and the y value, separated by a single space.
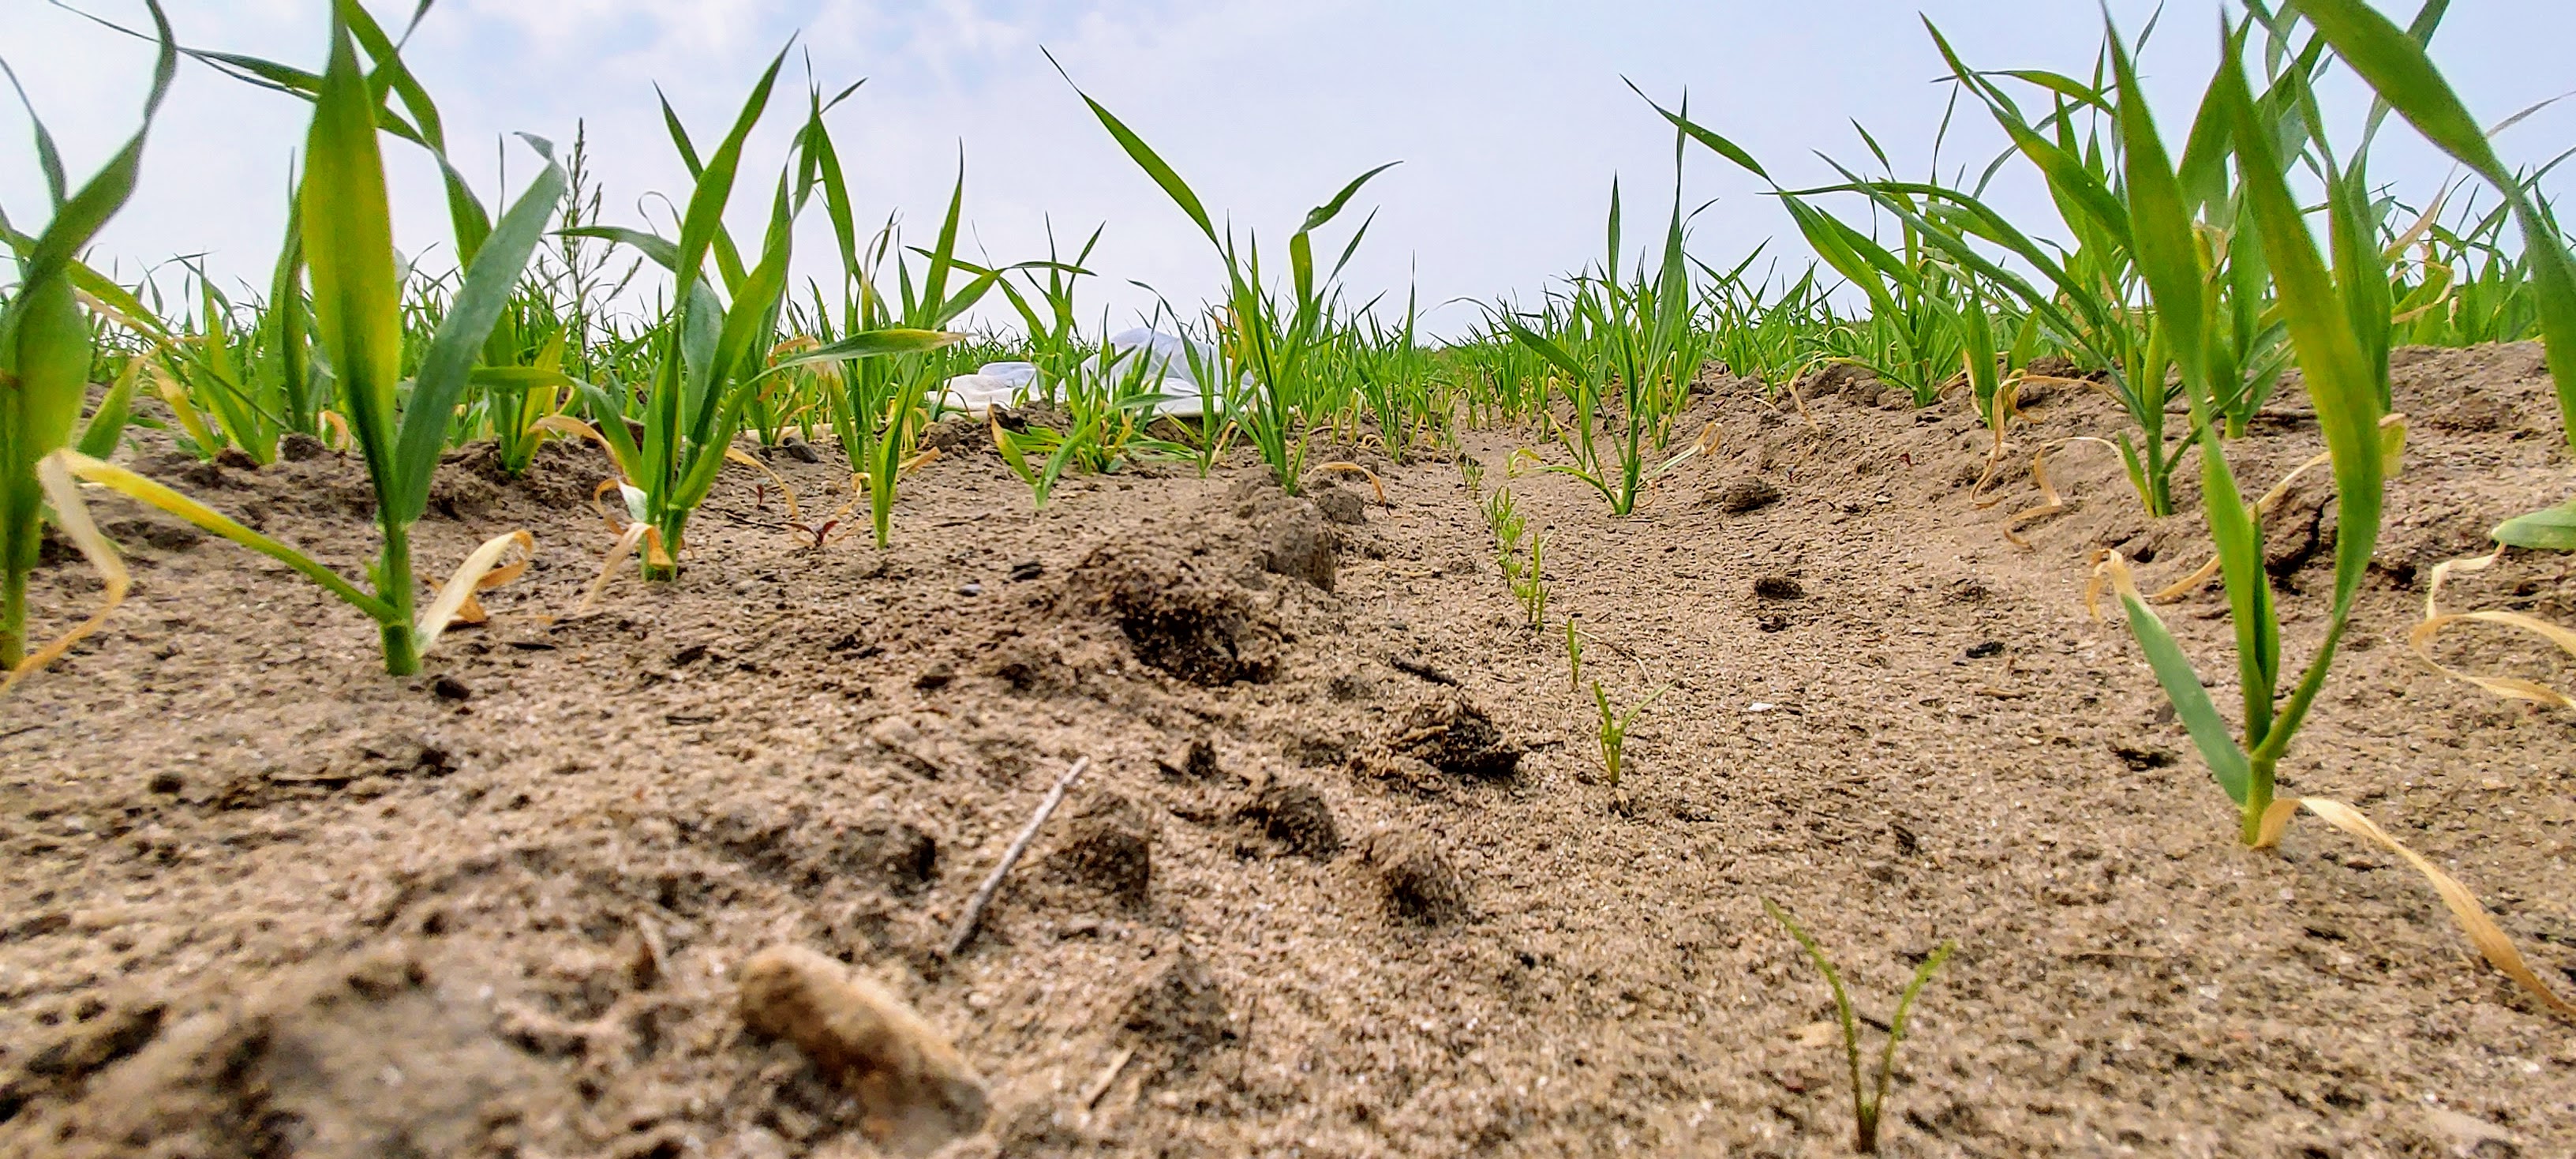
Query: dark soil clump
pixel 1296 817
pixel 1420 885
pixel 1109 850
pixel 1199 628
pixel 1454 736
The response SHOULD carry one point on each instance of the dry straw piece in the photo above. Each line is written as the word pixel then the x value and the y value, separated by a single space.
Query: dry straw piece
pixel 2436 620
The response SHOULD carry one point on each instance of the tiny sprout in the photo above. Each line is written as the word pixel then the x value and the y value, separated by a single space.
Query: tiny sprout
pixel 1573 655
pixel 1867 1101
pixel 1614 728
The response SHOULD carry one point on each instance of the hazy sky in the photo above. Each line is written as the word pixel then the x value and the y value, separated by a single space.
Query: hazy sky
pixel 1510 117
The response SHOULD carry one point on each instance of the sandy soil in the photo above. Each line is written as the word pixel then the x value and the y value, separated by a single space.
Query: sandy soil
pixel 1343 879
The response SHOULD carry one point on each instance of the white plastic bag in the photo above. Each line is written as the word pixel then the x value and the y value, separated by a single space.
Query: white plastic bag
pixel 1168 356
pixel 976 394
pixel 1018 374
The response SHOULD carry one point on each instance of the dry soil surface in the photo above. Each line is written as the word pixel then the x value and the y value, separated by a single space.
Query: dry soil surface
pixel 1344 877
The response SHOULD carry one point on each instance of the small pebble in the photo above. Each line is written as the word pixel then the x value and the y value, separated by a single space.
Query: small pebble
pixel 450 688
pixel 971 589
pixel 1023 572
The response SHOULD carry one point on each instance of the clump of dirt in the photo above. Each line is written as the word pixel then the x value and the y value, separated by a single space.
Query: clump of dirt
pixel 805 853
pixel 1198 762
pixel 1742 494
pixel 1297 818
pixel 1340 506
pixel 1108 849
pixel 958 434
pixel 1291 535
pixel 381 1053
pixel 1779 587
pixel 1185 599
pixel 1177 1015
pixel 1451 734
pixel 1419 884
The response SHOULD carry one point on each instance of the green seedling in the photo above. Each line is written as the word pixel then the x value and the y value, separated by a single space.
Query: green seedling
pixel 2394 63
pixel 1631 339
pixel 1573 655
pixel 1869 1099
pixel 2343 373
pixel 1269 343
pixel 708 365
pixel 400 426
pixel 1613 732
pixel 46 346
pixel 1530 587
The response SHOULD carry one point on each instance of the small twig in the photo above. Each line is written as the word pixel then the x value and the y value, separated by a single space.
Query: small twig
pixel 1011 856
pixel 1108 1077
pixel 1422 669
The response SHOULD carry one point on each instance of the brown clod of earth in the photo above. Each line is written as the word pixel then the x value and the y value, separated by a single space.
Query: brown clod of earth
pixel 1454 736
pixel 1197 627
pixel 1340 506
pixel 1296 817
pixel 915 1092
pixel 1178 1014
pixel 1420 885
pixel 366 1056
pixel 1779 587
pixel 1741 494
pixel 1108 849
pixel 957 434
pixel 1197 762
pixel 1296 542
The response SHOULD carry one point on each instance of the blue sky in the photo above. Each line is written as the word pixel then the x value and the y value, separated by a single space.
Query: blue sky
pixel 1510 117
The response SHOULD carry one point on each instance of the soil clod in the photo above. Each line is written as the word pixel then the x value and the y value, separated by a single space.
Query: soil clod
pixel 1109 850
pixel 1420 886
pixel 1340 506
pixel 1296 817
pixel 1742 494
pixel 915 1092
pixel 1177 1015
pixel 1201 630
pixel 1779 587
pixel 1198 762
pixel 1454 736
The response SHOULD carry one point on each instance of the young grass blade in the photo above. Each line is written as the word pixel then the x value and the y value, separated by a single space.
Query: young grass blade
pixel 2166 255
pixel 705 216
pixel 2399 71
pixel 73 517
pixel 348 237
pixel 1145 157
pixel 107 424
pixel 444 370
pixel 2339 382
pixel 2227 762
pixel 874 344
pixel 46 346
